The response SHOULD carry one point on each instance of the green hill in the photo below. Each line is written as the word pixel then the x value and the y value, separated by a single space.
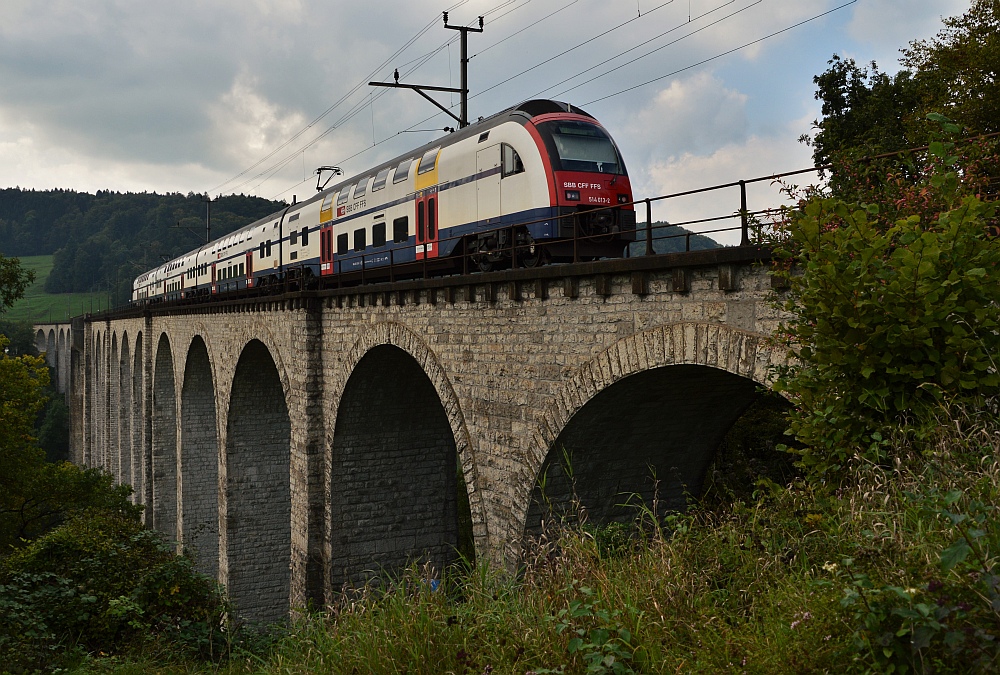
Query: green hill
pixel 37 305
pixel 98 243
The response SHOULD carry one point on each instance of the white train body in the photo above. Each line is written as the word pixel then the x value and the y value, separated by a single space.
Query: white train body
pixel 542 173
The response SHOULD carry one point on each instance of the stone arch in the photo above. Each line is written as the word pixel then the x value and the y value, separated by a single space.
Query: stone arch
pixel 164 446
pixel 393 471
pixel 258 488
pixel 141 463
pixel 401 337
pixel 40 340
pixel 50 348
pixel 99 361
pixel 199 444
pixel 88 394
pixel 62 361
pixel 114 408
pixel 711 370
pixel 124 384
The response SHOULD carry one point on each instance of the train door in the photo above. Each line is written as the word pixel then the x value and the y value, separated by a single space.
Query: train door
pixel 215 288
pixel 249 269
pixel 326 250
pixel 182 284
pixel 488 186
pixel 427 224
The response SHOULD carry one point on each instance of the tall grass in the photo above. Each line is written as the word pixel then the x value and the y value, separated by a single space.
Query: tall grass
pixel 871 575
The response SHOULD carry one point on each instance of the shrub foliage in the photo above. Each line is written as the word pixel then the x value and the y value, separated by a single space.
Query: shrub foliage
pixel 893 303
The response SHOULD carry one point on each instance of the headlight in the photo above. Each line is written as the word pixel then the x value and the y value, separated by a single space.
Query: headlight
pixel 623 199
pixel 572 195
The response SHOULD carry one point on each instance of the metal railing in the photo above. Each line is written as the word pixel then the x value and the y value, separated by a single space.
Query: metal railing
pixel 295 277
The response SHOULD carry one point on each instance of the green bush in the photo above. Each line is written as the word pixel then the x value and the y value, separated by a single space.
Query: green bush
pixel 100 583
pixel 896 312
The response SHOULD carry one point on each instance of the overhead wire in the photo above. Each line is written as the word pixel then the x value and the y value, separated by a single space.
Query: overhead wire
pixel 631 49
pixel 669 44
pixel 421 59
pixel 341 100
pixel 675 72
pixel 567 51
pixel 516 33
pixel 725 53
pixel 270 171
pixel 433 52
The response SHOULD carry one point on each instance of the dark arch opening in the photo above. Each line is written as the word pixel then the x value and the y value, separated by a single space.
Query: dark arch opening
pixel 258 492
pixel 114 407
pixel 164 483
pixel 393 481
pixel 649 436
pixel 50 348
pixel 88 396
pixel 140 459
pixel 62 362
pixel 199 461
pixel 125 414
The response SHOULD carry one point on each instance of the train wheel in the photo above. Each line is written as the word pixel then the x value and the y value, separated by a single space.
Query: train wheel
pixel 483 263
pixel 533 256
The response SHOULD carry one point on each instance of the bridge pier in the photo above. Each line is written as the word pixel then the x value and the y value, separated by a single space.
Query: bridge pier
pixel 301 443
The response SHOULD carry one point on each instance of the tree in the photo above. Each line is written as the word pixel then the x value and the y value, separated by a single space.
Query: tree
pixel 956 73
pixel 14 280
pixel 958 70
pixel 862 109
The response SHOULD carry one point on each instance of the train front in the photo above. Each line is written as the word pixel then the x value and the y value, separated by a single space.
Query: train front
pixel 590 188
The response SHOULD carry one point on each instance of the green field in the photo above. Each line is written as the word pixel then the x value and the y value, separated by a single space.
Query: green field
pixel 38 306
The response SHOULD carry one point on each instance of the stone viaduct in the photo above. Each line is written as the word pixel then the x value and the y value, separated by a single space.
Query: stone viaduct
pixel 300 443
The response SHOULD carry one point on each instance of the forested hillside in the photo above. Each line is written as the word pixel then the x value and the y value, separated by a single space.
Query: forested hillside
pixel 103 241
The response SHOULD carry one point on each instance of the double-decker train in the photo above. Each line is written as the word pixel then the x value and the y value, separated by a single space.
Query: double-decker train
pixel 538 182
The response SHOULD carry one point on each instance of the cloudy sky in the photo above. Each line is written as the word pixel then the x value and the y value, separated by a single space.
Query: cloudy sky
pixel 250 96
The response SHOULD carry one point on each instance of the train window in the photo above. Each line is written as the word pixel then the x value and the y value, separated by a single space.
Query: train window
pixel 293 218
pixel 431 212
pixel 241 268
pixel 582 146
pixel 428 161
pixel 402 171
pixel 305 236
pixel 293 237
pixel 359 189
pixel 378 235
pixel 380 179
pixel 345 194
pixel 360 239
pixel 268 248
pixel 342 246
pixel 421 212
pixel 483 136
pixel 260 253
pixel 327 202
pixel 512 163
pixel 400 229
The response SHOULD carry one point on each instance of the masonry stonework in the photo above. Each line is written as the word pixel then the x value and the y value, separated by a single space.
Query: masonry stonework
pixel 317 435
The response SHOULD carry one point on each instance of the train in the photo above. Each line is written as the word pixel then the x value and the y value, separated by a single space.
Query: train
pixel 540 182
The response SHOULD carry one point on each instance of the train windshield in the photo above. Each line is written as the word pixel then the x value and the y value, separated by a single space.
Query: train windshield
pixel 583 147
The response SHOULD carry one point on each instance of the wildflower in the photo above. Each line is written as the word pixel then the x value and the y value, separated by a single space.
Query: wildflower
pixel 830 567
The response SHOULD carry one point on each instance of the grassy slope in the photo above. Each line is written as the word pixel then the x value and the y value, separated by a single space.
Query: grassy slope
pixel 797 580
pixel 39 306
